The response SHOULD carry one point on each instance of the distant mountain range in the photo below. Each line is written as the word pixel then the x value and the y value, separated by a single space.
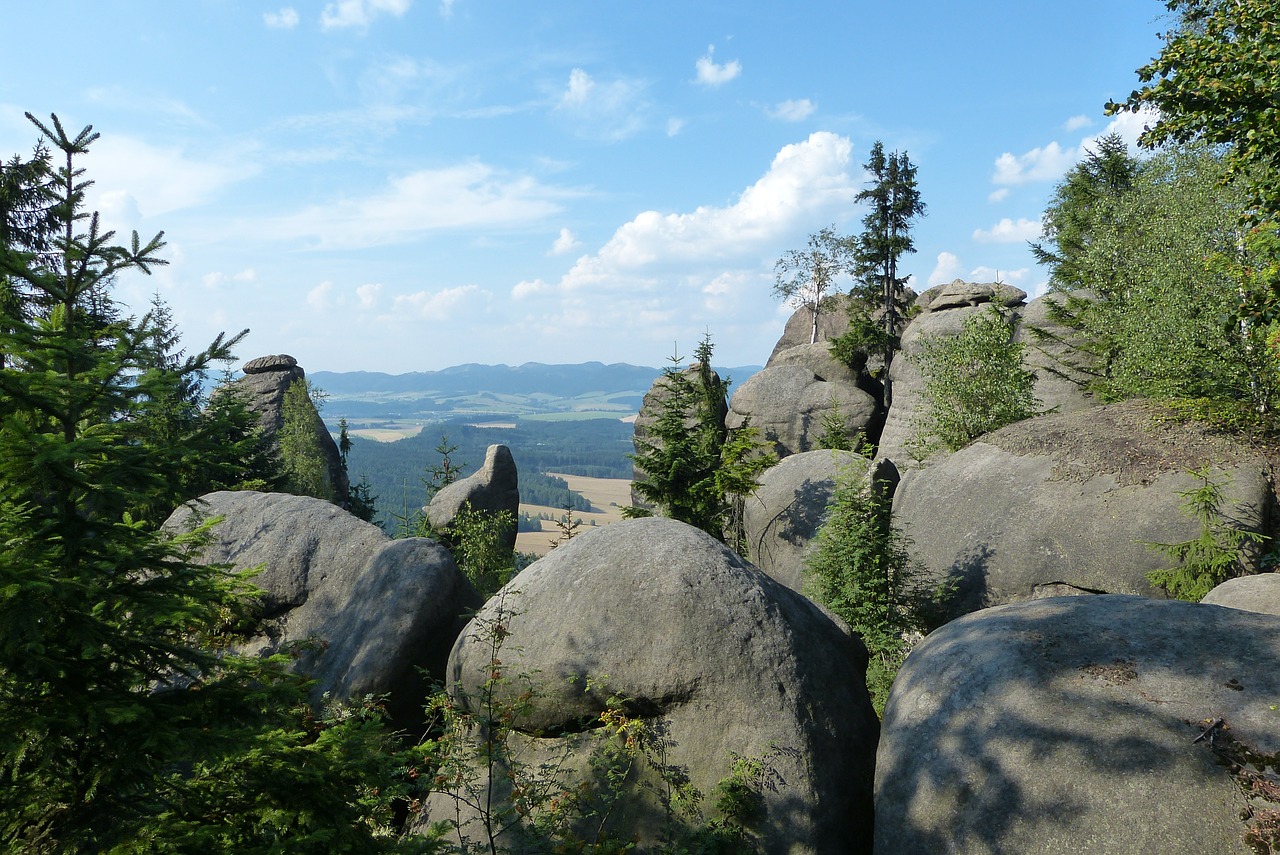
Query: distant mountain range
pixel 589 389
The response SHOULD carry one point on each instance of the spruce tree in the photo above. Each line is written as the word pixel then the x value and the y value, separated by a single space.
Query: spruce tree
pixel 895 203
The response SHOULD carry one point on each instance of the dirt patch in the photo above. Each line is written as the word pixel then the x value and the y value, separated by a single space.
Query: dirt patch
pixel 1134 441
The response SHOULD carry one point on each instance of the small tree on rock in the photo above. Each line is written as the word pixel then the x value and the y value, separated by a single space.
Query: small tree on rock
pixel 804 277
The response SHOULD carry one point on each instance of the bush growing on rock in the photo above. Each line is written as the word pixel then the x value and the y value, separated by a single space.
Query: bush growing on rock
pixel 974 382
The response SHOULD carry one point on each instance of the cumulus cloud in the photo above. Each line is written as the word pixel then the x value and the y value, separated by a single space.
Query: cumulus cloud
pixel 946 269
pixel 469 195
pixel 998 195
pixel 610 110
pixel 435 305
pixel 982 273
pixel 318 297
pixel 711 74
pixel 1050 162
pixel 285 19
pixel 792 111
pixel 368 294
pixel 566 242
pixel 529 288
pixel 1008 231
pixel 359 13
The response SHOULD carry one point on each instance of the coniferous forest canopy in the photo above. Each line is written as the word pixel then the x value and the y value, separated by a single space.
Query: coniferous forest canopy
pixel 130 721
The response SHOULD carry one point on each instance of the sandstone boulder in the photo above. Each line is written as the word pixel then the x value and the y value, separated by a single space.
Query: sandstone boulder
pixel 712 654
pixel 1070 498
pixel 782 517
pixel 958 293
pixel 1260 593
pixel 492 488
pixel 788 402
pixel 377 609
pixel 1074 725
pixel 833 320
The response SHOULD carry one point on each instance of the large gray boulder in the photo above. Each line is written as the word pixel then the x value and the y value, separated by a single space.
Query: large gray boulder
pixel 493 488
pixel 1070 499
pixel 264 384
pixel 833 321
pixel 789 401
pixel 782 517
pixel 368 611
pixel 1260 593
pixel 712 655
pixel 1073 725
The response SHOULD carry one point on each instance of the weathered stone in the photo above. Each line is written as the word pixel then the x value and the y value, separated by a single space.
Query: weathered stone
pixel 1260 593
pixel 833 321
pixel 493 488
pixel 379 609
pixel 714 655
pixel 275 362
pixel 788 402
pixel 1073 725
pixel 1070 499
pixel 958 293
pixel 783 515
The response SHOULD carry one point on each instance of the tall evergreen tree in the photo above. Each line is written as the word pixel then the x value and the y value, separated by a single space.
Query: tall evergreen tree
pixel 895 202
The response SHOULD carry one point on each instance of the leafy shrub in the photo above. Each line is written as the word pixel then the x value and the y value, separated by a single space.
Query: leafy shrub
pixel 974 382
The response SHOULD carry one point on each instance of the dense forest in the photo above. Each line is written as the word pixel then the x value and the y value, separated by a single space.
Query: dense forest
pixel 396 472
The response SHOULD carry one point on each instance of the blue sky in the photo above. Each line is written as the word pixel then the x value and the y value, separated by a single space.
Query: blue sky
pixel 404 185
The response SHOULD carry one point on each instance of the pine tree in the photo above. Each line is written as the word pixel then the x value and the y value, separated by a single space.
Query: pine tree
pixel 895 203
pixel 693 468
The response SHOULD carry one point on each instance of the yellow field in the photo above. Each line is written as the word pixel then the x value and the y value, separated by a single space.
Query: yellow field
pixel 387 434
pixel 609 495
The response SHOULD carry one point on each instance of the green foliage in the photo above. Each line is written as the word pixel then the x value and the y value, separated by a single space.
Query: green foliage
pixel 862 338
pixel 974 382
pixel 123 714
pixel 480 543
pixel 1215 80
pixel 692 468
pixel 1218 554
pixel 861 570
pixel 305 466
pixel 805 277
pixel 1162 255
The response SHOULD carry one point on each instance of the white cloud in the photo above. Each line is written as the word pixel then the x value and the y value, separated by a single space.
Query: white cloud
pixel 983 273
pixel 998 195
pixel 318 297
pixel 437 305
pixel 446 8
pixel 1043 163
pixel 711 74
pixel 566 242
pixel 368 294
pixel 947 269
pixel 285 19
pixel 1008 231
pixel 609 110
pixel 792 111
pixel 529 288
pixel 674 126
pixel 1075 123
pixel 359 13
pixel 133 178
pixel 467 196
